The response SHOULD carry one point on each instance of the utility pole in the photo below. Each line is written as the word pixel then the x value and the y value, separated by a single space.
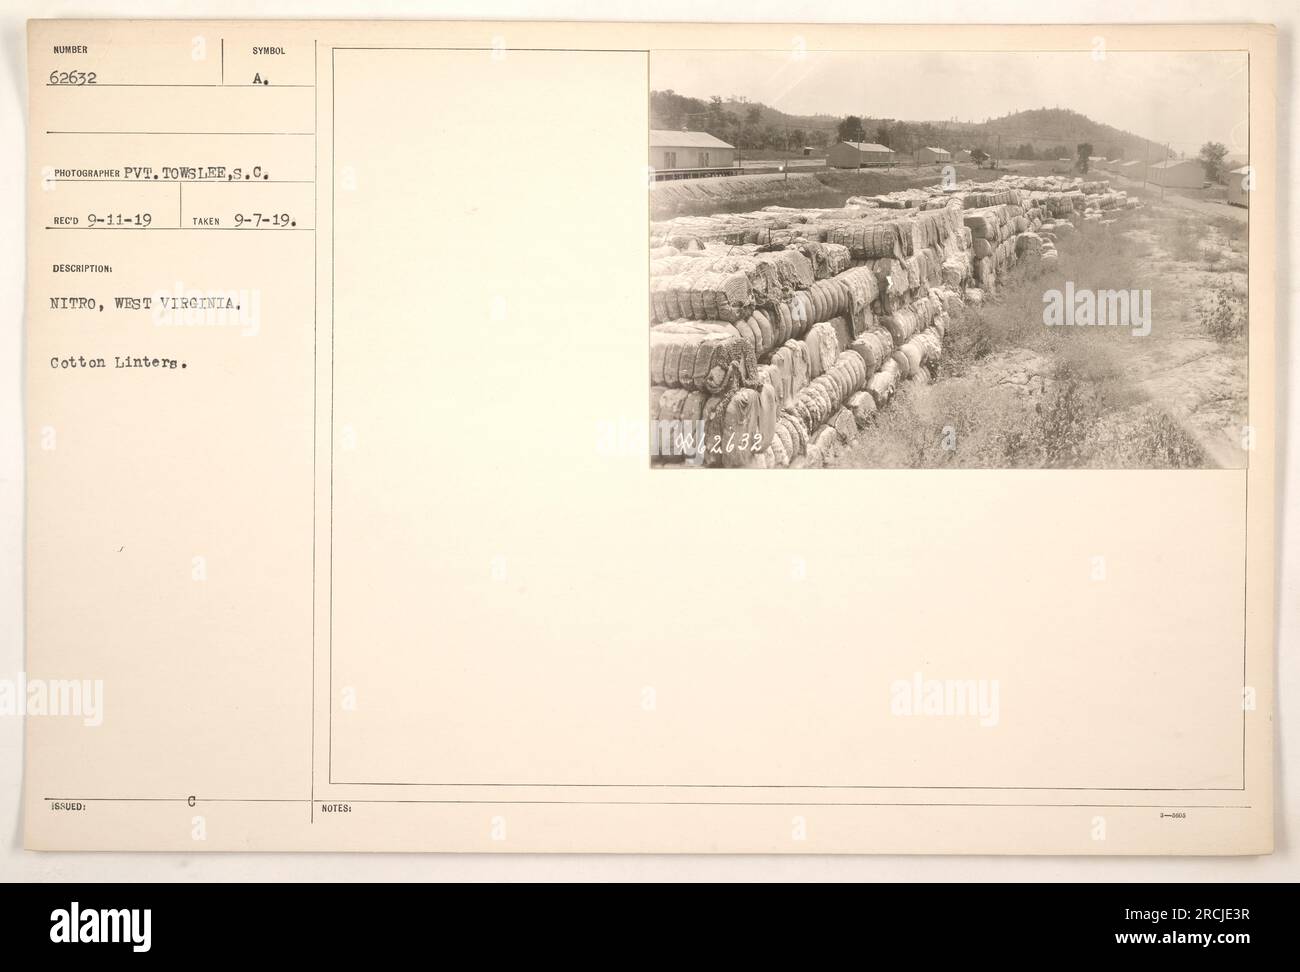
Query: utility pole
pixel 1162 181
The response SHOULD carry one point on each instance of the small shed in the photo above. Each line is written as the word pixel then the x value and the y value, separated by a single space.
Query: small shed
pixel 1238 182
pixel 932 154
pixel 689 150
pixel 855 155
pixel 1177 173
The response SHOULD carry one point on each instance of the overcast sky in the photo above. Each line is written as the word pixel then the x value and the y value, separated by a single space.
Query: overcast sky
pixel 1185 99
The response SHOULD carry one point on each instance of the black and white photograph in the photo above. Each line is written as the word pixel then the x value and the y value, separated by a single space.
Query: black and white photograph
pixel 934 260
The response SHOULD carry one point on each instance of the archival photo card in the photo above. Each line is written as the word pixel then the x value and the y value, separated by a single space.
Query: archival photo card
pixel 346 513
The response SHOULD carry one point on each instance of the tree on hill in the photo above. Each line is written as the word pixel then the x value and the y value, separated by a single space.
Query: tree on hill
pixel 1081 157
pixel 850 129
pixel 1211 157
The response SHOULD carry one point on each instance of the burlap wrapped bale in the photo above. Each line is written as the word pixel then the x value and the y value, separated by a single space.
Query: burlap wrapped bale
pixel 874 347
pixel 830 299
pixel 902 324
pixel 693 406
pixel 863 408
pixel 765 281
pixel 930 342
pixel 670 405
pixel 883 383
pixel 902 361
pixel 854 368
pixel 663 299
pixel 909 357
pixel 982 225
pixel 861 290
pixel 913 265
pixel 843 329
pixel 770 376
pixel 662 430
pixel 954 271
pixel 814 251
pixel 704 355
pixel 838 382
pixel 838 258
pixel 799 365
pixel 1029 245
pixel 676 418
pixel 780 455
pixel 802 314
pixel 792 434
pixel 828 443
pixel 892 284
pixel 782 321
pixel 731 427
pixel 701 295
pixel 748 329
pixel 781 374
pixel 843 423
pixel 767 333
pixel 928 261
pixel 814 404
pixel 870 240
pixel 823 348
pixel 925 308
pixel 792 267
pixel 721 296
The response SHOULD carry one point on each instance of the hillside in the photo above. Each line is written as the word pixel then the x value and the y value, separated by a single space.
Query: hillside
pixel 1049 127
pixel 1035 133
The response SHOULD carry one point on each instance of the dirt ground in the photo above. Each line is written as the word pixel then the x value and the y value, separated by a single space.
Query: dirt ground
pixel 1013 392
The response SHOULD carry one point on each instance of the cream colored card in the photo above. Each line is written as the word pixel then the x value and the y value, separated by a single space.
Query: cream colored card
pixel 343 531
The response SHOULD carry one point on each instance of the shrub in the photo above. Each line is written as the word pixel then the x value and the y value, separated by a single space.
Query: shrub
pixel 1222 314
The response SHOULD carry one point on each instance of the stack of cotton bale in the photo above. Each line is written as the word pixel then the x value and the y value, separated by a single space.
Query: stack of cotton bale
pixel 715 316
pixel 777 335
pixel 993 231
pixel 856 353
pixel 764 372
